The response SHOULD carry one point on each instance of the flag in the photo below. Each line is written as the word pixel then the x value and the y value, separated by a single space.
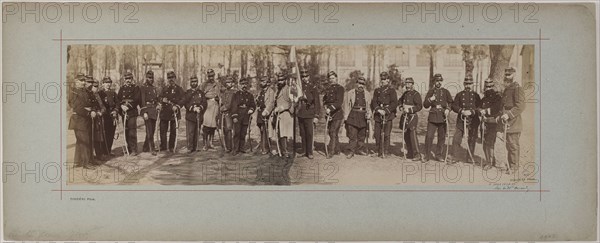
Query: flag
pixel 295 86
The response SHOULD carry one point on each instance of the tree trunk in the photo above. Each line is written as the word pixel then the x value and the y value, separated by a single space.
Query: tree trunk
pixel 244 63
pixel 500 57
pixel 431 62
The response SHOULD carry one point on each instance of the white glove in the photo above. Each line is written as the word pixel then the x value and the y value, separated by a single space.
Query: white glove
pixel 124 108
pixel 446 112
pixel 432 98
pixel 277 110
pixel 235 120
pixel 368 116
pixel 265 113
pixel 145 116
pixel 468 113
pixel 250 111
pixel 113 114
pixel 406 110
pixel 159 107
pixel 482 111
pixel 315 120
pixel 165 100
pixel 197 109
pixel 504 117
pixel 381 112
pixel 327 111
pixel 174 108
pixel 93 114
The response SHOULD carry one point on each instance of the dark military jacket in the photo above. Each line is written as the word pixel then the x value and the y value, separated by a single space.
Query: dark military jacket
pixel 442 102
pixel 149 100
pixel 333 100
pixel 241 103
pixel 384 98
pixel 513 100
pixel 492 103
pixel 226 98
pixel 194 98
pixel 265 99
pixel 467 100
pixel 171 96
pixel 130 97
pixel 80 102
pixel 357 115
pixel 412 100
pixel 97 103
pixel 309 104
pixel 109 99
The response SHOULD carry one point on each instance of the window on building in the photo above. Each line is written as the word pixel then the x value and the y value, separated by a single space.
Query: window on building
pixel 423 58
pixel 453 57
pixel 401 56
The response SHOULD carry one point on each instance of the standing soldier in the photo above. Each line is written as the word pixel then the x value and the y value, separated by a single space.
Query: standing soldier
pixel 282 112
pixel 169 112
pixel 81 123
pixel 333 101
pixel 491 109
pixel 308 110
pixel 264 104
pixel 513 101
pixel 439 100
pixel 466 104
pixel 226 122
pixel 194 103
pixel 129 99
pixel 211 91
pixel 384 103
pixel 410 103
pixel 357 111
pixel 242 108
pixel 149 111
pixel 97 129
pixel 109 98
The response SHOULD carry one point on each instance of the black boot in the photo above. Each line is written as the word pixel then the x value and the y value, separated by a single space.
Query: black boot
pixel 283 147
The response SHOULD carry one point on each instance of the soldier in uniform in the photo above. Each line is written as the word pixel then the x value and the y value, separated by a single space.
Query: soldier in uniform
pixel 149 111
pixel 491 109
pixel 211 91
pixel 242 107
pixel 466 104
pixel 264 103
pixel 357 110
pixel 169 112
pixel 282 111
pixel 109 99
pixel 226 123
pixel 333 101
pixel 439 101
pixel 194 103
pixel 513 101
pixel 100 109
pixel 308 110
pixel 410 103
pixel 81 123
pixel 129 99
pixel 384 104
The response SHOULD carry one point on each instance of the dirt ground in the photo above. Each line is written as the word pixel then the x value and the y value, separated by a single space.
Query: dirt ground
pixel 214 167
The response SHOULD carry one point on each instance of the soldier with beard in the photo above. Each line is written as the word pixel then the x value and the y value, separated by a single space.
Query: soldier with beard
pixel 194 103
pixel 384 104
pixel 282 109
pixel 410 103
pixel 109 99
pixel 226 123
pixel 439 100
pixel 150 111
pixel 81 123
pixel 491 109
pixel 513 102
pixel 242 107
pixel 466 104
pixel 308 110
pixel 129 100
pixel 357 111
pixel 211 91
pixel 264 104
pixel 169 112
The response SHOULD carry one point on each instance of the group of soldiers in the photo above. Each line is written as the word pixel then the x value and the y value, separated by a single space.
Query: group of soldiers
pixel 228 111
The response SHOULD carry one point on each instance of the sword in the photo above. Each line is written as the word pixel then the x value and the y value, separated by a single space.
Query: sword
pixel 506 144
pixel 125 135
pixel 447 139
pixel 466 132
pixel 403 134
pixel 197 131
pixel 327 119
pixel 382 139
pixel 221 128
pixel 278 135
pixel 176 127
pixel 93 142
pixel 249 134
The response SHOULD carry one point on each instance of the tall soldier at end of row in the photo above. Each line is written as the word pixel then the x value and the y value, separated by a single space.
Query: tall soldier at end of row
pixel 149 111
pixel 357 111
pixel 410 103
pixel 308 112
pixel 109 98
pixel 129 100
pixel 264 104
pixel 169 112
pixel 211 91
pixel 384 104
pixel 513 100
pixel 439 101
pixel 491 109
pixel 242 108
pixel 466 104
pixel 226 122
pixel 194 103
pixel 81 123
pixel 333 101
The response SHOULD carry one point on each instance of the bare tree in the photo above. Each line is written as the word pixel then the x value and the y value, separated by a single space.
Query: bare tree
pixel 431 52
pixel 500 58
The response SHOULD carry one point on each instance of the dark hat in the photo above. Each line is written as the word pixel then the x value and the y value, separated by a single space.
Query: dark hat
pixel 468 79
pixel 361 80
pixel 128 75
pixel 210 73
pixel 243 81
pixel 150 74
pixel 228 79
pixel 409 80
pixel 438 77
pixel 106 80
pixel 384 75
pixel 489 82
pixel 89 79
pixel 281 76
pixel 193 78
pixel 303 73
pixel 331 73
pixel 171 74
pixel 509 71
pixel 81 77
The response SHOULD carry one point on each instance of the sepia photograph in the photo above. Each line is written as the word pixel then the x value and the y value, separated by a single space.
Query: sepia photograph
pixel 430 114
